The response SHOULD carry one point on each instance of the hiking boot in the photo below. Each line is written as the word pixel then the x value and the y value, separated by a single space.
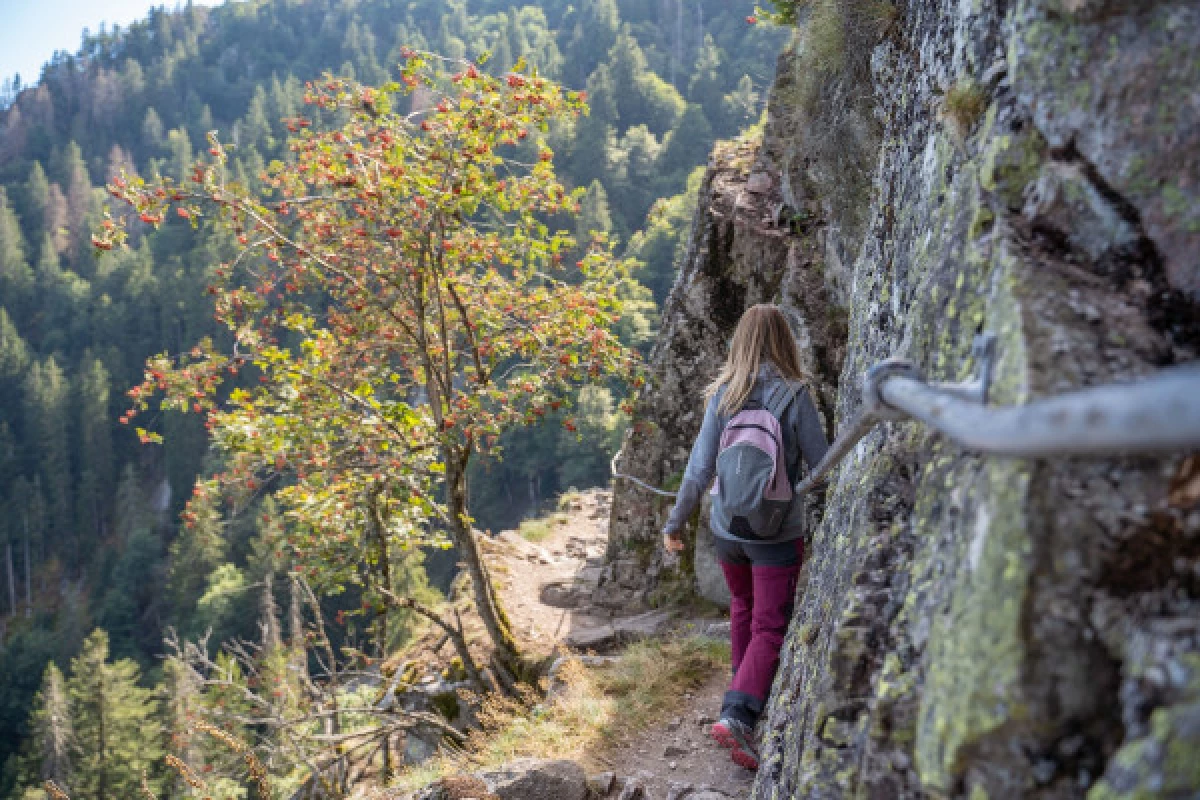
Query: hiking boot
pixel 738 737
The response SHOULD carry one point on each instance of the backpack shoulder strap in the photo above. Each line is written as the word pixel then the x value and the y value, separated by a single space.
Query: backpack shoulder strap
pixel 779 398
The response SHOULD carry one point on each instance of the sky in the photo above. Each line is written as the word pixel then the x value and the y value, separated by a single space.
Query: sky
pixel 32 30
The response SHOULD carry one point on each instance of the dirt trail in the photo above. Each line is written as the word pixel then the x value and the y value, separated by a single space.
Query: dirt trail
pixel 537 580
pixel 679 752
pixel 544 585
pixel 528 575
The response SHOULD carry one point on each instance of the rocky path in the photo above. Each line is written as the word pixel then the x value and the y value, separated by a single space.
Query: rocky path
pixel 547 588
pixel 558 591
pixel 677 759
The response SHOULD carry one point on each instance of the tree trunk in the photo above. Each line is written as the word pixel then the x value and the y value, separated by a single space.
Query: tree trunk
pixel 28 574
pixel 102 740
pixel 12 580
pixel 385 770
pixel 385 566
pixel 677 62
pixel 507 655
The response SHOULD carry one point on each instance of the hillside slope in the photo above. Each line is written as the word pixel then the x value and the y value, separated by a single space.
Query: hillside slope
pixel 971 626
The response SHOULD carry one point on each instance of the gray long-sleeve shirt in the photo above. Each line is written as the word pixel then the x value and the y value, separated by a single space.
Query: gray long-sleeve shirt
pixel 803 437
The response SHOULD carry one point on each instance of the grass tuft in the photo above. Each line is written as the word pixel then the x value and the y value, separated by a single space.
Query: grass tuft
pixel 964 104
pixel 834 26
pixel 595 709
pixel 538 530
pixel 570 499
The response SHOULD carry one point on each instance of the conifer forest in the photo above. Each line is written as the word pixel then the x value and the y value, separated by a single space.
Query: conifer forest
pixel 125 563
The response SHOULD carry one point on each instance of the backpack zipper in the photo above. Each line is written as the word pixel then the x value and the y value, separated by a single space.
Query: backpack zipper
pixel 764 429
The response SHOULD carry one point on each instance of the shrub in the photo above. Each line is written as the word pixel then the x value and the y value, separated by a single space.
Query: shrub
pixel 781 12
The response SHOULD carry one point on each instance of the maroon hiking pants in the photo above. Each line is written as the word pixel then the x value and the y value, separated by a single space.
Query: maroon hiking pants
pixel 762 583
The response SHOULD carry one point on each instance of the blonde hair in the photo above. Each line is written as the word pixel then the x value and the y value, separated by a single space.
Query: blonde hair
pixel 762 333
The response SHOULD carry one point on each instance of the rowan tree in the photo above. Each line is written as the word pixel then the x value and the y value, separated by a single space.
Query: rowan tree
pixel 395 300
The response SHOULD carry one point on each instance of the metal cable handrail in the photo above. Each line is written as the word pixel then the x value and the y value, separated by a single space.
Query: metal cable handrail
pixel 1158 414
pixel 636 481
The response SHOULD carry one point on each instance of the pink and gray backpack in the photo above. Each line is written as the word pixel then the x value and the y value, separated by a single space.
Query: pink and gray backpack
pixel 752 492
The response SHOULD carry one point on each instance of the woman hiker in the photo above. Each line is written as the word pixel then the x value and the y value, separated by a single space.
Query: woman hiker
pixel 758 424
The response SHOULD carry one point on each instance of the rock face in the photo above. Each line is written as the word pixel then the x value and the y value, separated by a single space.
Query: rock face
pixel 971 626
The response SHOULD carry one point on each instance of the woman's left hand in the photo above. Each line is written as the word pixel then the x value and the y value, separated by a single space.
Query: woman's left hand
pixel 672 542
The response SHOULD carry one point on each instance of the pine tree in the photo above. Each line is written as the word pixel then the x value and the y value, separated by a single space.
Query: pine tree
pixel 634 158
pixel 16 278
pixel 586 160
pixel 518 42
pixel 641 94
pixel 131 593
pixel 117 731
pixel 204 123
pixel 272 633
pixel 152 129
pixel 74 175
pixel 660 245
pixel 48 271
pixel 627 63
pixel 179 146
pixel 37 199
pixel 118 159
pixel 741 105
pixel 688 144
pixel 602 96
pixel 449 45
pixel 593 34
pixel 46 416
pixel 705 86
pixel 182 697
pixel 502 53
pixel 281 102
pixel 593 216
pixel 297 641
pixel 52 745
pixel 14 361
pixel 255 128
pixel 196 553
pixel 28 506
pixel 47 214
pixel 94 445
pixel 9 529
